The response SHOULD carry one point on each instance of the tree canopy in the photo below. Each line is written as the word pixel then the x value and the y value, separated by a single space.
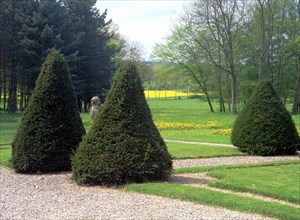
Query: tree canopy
pixel 242 43
pixel 29 29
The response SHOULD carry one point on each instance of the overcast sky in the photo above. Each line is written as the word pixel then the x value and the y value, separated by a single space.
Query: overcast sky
pixel 144 21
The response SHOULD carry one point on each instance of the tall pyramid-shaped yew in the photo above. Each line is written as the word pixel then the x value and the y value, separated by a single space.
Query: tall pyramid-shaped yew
pixel 123 144
pixel 51 127
pixel 264 126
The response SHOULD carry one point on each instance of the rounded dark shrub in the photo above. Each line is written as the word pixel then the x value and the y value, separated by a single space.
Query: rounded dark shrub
pixel 51 127
pixel 264 126
pixel 123 144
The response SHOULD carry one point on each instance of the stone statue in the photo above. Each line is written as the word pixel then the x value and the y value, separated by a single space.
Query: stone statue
pixel 95 102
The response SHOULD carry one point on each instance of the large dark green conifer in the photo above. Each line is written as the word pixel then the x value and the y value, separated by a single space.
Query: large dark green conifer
pixel 123 144
pixel 264 126
pixel 51 127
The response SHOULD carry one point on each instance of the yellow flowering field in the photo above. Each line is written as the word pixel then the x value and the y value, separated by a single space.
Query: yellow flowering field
pixel 183 125
pixel 168 94
pixel 224 131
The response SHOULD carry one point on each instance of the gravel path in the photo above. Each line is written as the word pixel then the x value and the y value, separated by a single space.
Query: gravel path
pixel 55 196
pixel 217 161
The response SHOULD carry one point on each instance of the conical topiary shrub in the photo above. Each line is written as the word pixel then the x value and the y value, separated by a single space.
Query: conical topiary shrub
pixel 123 144
pixel 51 127
pixel 264 126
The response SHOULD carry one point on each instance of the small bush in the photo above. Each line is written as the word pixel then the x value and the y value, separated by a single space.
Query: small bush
pixel 264 126
pixel 51 127
pixel 123 144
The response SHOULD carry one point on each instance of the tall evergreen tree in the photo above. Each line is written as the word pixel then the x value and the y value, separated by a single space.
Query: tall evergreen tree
pixel 51 127
pixel 123 144
pixel 29 29
pixel 89 54
pixel 264 126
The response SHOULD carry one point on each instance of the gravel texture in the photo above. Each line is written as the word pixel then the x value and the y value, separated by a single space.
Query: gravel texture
pixel 217 161
pixel 55 196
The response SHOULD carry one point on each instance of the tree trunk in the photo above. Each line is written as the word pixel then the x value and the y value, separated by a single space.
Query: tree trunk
pixel 221 99
pixel 234 93
pixel 296 102
pixel 228 93
pixel 262 38
pixel 4 90
pixel 12 93
pixel 1 78
pixel 22 97
pixel 86 104
pixel 208 100
pixel 79 104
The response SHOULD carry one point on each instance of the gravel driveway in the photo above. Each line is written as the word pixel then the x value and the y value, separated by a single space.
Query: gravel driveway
pixel 55 196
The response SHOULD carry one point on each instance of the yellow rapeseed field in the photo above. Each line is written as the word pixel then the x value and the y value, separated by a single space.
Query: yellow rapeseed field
pixel 168 94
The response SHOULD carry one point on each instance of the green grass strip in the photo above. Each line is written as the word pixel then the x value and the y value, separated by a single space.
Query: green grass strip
pixel 234 166
pixel 189 151
pixel 5 155
pixel 280 182
pixel 216 199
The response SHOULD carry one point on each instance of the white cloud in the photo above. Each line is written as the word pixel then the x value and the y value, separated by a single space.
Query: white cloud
pixel 146 22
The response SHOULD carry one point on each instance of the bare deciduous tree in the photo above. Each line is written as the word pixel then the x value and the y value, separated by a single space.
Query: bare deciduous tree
pixel 215 24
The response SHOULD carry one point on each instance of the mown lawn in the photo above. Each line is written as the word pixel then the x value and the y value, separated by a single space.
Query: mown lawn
pixel 216 199
pixel 8 127
pixel 281 182
pixel 191 120
pixel 284 186
pixel 188 151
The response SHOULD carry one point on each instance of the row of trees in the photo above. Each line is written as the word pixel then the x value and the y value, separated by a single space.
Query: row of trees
pixel 227 46
pixel 29 29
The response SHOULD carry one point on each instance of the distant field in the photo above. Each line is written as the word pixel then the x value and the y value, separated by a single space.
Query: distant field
pixel 163 94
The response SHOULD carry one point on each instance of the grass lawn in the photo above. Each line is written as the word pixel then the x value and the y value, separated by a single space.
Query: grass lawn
pixel 187 151
pixel 5 155
pixel 201 135
pixel 281 182
pixel 191 120
pixel 216 199
pixel 8 127
pixel 288 186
